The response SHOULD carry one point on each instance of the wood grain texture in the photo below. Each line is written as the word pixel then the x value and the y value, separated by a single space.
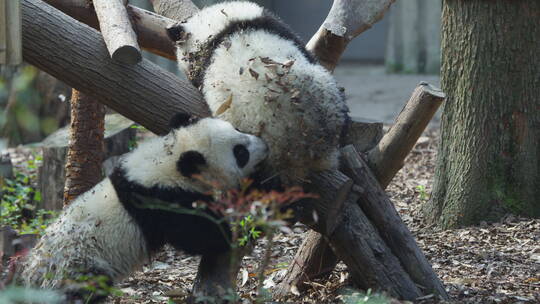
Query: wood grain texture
pixel 388 156
pixel 346 20
pixel 150 27
pixel 369 260
pixel 144 93
pixel 118 34
pixel 86 146
pixel 381 213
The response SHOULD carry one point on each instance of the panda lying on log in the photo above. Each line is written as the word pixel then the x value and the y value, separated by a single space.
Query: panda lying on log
pixel 257 75
pixel 114 228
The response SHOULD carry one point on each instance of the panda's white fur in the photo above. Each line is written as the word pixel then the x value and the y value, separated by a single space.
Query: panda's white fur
pixel 104 232
pixel 256 74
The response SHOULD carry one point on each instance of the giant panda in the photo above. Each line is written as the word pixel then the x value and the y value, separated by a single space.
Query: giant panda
pixel 115 227
pixel 256 74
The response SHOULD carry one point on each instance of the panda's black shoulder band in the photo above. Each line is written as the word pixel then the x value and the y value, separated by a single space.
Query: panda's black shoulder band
pixel 267 22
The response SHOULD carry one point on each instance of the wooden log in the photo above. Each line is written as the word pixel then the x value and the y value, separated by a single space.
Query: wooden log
pixel 150 27
pixel 346 20
pixel 322 214
pixel 6 168
pixel 315 258
pixel 382 214
pixel 144 93
pixel 117 31
pixel 7 236
pixel 369 260
pixel 423 112
pixel 10 33
pixel 363 133
pixel 388 156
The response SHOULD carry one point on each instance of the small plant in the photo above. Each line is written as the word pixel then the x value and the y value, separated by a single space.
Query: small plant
pixel 97 286
pixel 422 192
pixel 19 199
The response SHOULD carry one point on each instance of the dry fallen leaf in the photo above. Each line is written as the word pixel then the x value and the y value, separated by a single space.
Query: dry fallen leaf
pixel 254 74
pixel 245 276
pixel 224 106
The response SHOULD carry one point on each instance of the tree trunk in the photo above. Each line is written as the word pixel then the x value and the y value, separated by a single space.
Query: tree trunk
pixel 86 149
pixel 489 153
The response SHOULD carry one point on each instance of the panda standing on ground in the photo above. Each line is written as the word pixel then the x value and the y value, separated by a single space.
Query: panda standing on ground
pixel 256 74
pixel 110 230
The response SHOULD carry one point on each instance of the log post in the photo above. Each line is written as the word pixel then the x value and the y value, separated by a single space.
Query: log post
pixel 383 215
pixel 86 146
pixel 117 32
pixel 371 263
pixel 420 108
pixel 388 156
pixel 322 214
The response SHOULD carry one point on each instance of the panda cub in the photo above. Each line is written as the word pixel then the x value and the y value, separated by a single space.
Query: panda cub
pixel 115 227
pixel 256 74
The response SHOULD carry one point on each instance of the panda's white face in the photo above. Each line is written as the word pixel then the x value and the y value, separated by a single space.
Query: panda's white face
pixel 207 152
pixel 219 153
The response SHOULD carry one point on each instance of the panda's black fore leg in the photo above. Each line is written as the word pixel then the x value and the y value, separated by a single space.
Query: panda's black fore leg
pixel 216 277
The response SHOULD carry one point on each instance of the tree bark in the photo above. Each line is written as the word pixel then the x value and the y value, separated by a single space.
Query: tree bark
pixel 388 156
pixel 118 34
pixel 150 27
pixel 86 150
pixel 385 159
pixel 369 260
pixel 384 217
pixel 143 93
pixel 489 153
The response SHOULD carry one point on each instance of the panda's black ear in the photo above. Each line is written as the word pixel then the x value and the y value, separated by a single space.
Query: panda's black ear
pixel 176 32
pixel 181 120
pixel 190 163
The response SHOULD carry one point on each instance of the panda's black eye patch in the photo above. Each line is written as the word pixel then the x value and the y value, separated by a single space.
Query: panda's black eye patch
pixel 241 154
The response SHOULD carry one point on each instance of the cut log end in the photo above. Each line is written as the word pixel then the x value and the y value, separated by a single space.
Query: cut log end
pixel 127 54
pixel 432 90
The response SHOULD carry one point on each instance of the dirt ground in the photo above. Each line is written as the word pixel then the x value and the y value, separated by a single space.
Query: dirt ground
pixel 492 263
